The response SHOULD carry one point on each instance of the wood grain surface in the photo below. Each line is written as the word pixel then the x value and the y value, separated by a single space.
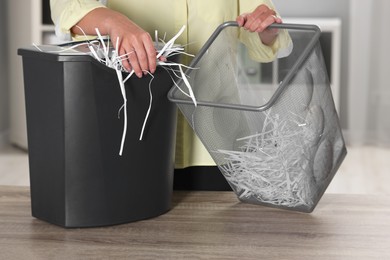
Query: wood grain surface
pixel 207 225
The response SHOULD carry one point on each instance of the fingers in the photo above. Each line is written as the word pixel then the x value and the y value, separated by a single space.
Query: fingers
pixel 138 54
pixel 241 19
pixel 150 55
pixel 259 19
pixel 123 54
pixel 144 58
pixel 132 59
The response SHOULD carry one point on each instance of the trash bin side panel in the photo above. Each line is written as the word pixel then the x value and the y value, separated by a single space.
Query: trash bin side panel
pixel 153 156
pixel 103 188
pixel 45 130
pixel 86 198
pixel 143 175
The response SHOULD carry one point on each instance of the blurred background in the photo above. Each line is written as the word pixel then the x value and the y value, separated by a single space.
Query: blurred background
pixel 354 41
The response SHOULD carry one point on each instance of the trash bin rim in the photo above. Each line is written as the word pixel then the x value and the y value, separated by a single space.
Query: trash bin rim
pixel 53 54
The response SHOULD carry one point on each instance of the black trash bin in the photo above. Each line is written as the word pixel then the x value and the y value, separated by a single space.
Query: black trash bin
pixel 77 177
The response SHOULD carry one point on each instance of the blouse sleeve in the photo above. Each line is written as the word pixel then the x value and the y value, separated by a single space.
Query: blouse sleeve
pixel 258 51
pixel 66 13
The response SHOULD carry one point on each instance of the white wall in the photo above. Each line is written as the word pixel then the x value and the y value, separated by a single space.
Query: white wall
pixel 4 93
pixel 328 8
pixel 369 96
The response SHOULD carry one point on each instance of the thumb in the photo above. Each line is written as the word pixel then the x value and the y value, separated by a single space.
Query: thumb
pixel 241 19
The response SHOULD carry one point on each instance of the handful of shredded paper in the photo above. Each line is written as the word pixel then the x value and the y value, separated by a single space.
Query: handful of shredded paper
pixel 100 49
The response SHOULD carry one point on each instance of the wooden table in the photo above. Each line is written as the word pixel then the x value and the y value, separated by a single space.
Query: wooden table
pixel 207 225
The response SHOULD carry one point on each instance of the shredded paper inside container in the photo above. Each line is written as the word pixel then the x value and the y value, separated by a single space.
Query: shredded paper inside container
pixel 271 128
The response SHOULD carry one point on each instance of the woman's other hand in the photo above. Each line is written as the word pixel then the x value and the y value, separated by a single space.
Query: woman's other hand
pixel 258 21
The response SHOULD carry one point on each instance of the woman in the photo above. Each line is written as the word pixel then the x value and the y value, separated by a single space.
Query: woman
pixel 133 22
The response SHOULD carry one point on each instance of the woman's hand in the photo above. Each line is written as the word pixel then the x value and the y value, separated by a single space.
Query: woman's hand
pixel 134 44
pixel 258 21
